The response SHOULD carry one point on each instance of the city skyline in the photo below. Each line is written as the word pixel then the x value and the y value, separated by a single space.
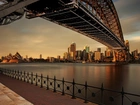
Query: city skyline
pixel 69 50
pixel 38 36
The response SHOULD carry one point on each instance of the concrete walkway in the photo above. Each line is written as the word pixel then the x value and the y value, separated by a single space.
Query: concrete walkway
pixel 8 97
pixel 34 94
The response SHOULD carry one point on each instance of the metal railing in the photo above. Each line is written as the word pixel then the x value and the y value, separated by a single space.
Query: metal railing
pixel 98 95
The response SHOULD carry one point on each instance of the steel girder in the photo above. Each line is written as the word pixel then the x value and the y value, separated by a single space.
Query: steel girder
pixel 105 10
pixel 78 18
pixel 12 10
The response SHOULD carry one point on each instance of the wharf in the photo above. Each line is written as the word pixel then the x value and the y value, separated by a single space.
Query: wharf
pixel 28 94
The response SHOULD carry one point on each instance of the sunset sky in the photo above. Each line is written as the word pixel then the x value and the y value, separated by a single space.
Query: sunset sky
pixel 38 36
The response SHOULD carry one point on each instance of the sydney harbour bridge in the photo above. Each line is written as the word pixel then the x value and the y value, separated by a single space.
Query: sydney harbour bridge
pixel 96 19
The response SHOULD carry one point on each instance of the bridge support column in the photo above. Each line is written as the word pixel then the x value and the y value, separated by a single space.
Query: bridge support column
pixel 119 56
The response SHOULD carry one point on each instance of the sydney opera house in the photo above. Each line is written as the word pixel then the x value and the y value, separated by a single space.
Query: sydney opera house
pixel 17 58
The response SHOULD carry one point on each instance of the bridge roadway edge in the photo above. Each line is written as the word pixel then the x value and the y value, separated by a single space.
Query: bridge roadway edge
pixel 37 95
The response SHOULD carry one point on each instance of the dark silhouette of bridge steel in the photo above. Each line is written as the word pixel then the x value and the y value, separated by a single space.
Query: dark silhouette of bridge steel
pixel 96 19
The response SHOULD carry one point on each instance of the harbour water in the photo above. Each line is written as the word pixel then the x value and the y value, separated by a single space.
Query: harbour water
pixel 112 76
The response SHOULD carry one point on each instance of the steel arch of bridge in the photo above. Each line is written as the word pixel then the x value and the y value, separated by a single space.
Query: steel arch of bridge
pixel 106 12
pixel 96 19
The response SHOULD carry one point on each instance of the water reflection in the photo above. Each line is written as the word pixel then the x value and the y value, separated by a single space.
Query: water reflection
pixel 112 76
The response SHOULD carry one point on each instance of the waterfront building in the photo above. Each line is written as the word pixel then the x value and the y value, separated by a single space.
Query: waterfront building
pixel 73 51
pixel 99 49
pixel 12 58
pixel 68 49
pixel 135 54
pixel 97 56
pixel 58 58
pixel 78 55
pixel 65 56
pixel 51 59
pixel 84 55
pixel 40 56
pixel 108 52
pixel 87 49
pixel 90 56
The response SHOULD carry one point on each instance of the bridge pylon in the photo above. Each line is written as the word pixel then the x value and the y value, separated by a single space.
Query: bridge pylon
pixel 122 55
pixel 119 55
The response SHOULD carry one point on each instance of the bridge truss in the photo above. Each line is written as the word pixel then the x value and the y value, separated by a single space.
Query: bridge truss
pixel 96 19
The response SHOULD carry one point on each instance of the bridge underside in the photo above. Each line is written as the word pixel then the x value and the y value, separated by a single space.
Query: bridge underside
pixel 78 18
pixel 72 14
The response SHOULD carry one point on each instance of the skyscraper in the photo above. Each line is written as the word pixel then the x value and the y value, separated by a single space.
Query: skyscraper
pixel 73 50
pixel 79 55
pixel 97 56
pixel 40 56
pixel 108 52
pixel 99 49
pixel 87 49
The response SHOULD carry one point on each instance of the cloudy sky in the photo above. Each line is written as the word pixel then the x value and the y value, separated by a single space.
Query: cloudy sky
pixel 38 36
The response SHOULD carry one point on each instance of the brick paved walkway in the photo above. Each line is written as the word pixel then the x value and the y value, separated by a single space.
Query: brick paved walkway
pixel 37 95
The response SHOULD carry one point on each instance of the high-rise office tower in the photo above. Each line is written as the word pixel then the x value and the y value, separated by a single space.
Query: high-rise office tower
pixel 108 52
pixel 87 49
pixel 97 56
pixel 40 56
pixel 99 49
pixel 73 50
pixel 84 55
pixel 79 55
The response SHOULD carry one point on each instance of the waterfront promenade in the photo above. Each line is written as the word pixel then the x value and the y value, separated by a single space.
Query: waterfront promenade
pixel 37 95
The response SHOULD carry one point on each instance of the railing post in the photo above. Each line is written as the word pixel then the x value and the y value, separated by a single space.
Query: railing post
pixel 73 91
pixel 27 77
pixel 12 73
pixel 36 79
pixel 63 83
pixel 54 84
pixel 24 76
pixel 18 74
pixel 41 81
pixel 102 93
pixel 15 74
pixel 122 95
pixel 32 78
pixel 47 82
pixel 21 75
pixel 86 92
